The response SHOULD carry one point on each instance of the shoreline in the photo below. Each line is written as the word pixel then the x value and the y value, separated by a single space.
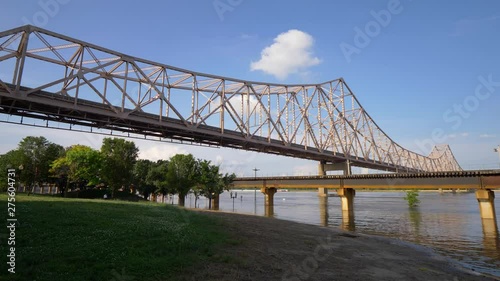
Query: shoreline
pixel 369 257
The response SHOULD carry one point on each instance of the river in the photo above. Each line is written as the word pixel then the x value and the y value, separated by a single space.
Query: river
pixel 449 223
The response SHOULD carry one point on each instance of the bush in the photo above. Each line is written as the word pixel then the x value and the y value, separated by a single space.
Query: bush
pixel 412 198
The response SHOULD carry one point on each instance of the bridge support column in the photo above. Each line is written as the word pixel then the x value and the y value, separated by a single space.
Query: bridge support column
pixel 324 167
pixel 269 193
pixel 347 201
pixel 323 192
pixel 486 199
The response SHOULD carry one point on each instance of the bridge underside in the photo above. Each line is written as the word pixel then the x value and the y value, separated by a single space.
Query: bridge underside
pixel 56 108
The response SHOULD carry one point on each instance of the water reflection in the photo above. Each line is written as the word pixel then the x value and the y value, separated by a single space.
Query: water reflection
pixel 415 219
pixel 491 239
pixel 269 211
pixel 323 210
pixel 348 220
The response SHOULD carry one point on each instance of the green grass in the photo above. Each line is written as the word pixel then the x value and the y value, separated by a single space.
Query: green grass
pixel 81 239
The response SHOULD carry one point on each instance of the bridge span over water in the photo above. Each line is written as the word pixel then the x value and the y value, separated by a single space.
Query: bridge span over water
pixel 67 83
pixel 63 80
pixel 483 182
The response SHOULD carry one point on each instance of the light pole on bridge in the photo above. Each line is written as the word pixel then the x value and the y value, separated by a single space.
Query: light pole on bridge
pixel 255 170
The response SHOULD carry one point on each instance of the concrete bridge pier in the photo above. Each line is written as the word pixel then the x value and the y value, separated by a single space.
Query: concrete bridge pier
pixel 269 193
pixel 324 167
pixel 269 201
pixel 486 199
pixel 347 201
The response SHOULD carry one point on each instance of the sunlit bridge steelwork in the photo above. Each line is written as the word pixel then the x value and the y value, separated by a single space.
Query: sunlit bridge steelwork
pixel 52 77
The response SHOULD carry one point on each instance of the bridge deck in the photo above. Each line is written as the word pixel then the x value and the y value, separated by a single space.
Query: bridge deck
pixel 434 180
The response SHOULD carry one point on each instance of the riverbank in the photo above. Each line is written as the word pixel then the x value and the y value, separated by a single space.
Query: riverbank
pixel 80 239
pixel 273 249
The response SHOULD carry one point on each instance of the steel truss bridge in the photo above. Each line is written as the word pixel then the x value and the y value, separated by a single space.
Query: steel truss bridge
pixel 62 80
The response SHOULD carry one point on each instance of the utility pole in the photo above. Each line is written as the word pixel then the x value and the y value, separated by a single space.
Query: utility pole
pixel 255 170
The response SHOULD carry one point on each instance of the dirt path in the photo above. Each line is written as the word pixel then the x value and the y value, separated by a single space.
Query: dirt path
pixel 272 249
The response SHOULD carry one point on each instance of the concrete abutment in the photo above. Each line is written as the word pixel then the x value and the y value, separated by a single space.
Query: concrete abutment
pixel 486 200
pixel 324 167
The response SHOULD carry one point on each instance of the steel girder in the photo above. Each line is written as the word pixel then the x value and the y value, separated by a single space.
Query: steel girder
pixel 54 77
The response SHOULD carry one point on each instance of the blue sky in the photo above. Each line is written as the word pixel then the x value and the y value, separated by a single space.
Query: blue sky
pixel 416 71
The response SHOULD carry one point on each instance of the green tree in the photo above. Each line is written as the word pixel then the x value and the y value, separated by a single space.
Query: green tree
pixel 151 177
pixel 412 198
pixel 81 164
pixel 211 183
pixel 119 157
pixel 157 176
pixel 182 175
pixel 9 160
pixel 36 154
pixel 141 180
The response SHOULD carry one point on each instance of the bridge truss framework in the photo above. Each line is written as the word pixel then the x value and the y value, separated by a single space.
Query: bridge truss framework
pixel 49 76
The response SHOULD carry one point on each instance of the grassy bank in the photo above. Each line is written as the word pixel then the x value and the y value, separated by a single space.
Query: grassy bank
pixel 80 239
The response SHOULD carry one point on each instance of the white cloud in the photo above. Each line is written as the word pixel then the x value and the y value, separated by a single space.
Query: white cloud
pixel 305 170
pixel 159 151
pixel 290 53
pixel 486 136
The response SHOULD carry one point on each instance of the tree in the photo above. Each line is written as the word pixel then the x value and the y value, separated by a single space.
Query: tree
pixel 36 154
pixel 157 176
pixel 142 169
pixel 9 160
pixel 182 175
pixel 81 164
pixel 412 198
pixel 119 157
pixel 211 183
pixel 151 177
